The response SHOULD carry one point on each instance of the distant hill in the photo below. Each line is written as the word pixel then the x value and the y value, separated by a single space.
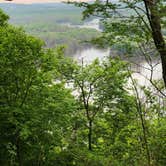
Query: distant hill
pixel 49 21
pixel 37 1
pixel 22 14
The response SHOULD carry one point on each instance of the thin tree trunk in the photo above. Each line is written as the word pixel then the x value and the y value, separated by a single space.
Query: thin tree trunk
pixel 19 158
pixel 145 138
pixel 90 136
pixel 142 118
pixel 153 16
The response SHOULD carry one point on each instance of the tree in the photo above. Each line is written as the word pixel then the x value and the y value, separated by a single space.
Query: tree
pixel 3 18
pixel 34 109
pixel 134 21
pixel 52 108
pixel 95 85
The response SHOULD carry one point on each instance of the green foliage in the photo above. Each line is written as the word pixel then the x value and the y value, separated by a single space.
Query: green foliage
pixel 33 106
pixel 158 142
pixel 48 101
pixel 3 18
pixel 124 22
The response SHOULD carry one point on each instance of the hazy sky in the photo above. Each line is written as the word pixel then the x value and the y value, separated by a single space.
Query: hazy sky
pixel 36 1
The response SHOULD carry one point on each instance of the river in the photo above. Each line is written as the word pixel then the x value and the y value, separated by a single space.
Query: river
pixel 142 70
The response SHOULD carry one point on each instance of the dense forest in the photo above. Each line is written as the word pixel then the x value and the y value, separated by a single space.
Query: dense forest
pixel 56 111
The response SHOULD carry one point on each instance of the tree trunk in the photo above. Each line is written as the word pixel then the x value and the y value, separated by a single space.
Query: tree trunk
pixel 143 124
pixel 90 136
pixel 145 138
pixel 155 24
pixel 19 158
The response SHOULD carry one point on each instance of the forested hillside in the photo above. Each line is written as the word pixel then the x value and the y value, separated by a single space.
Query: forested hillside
pixel 57 111
pixel 50 23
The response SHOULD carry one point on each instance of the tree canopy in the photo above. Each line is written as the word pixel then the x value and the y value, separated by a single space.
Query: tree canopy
pixel 135 21
pixel 57 111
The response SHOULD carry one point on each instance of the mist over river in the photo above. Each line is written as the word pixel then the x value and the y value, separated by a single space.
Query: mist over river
pixel 142 70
